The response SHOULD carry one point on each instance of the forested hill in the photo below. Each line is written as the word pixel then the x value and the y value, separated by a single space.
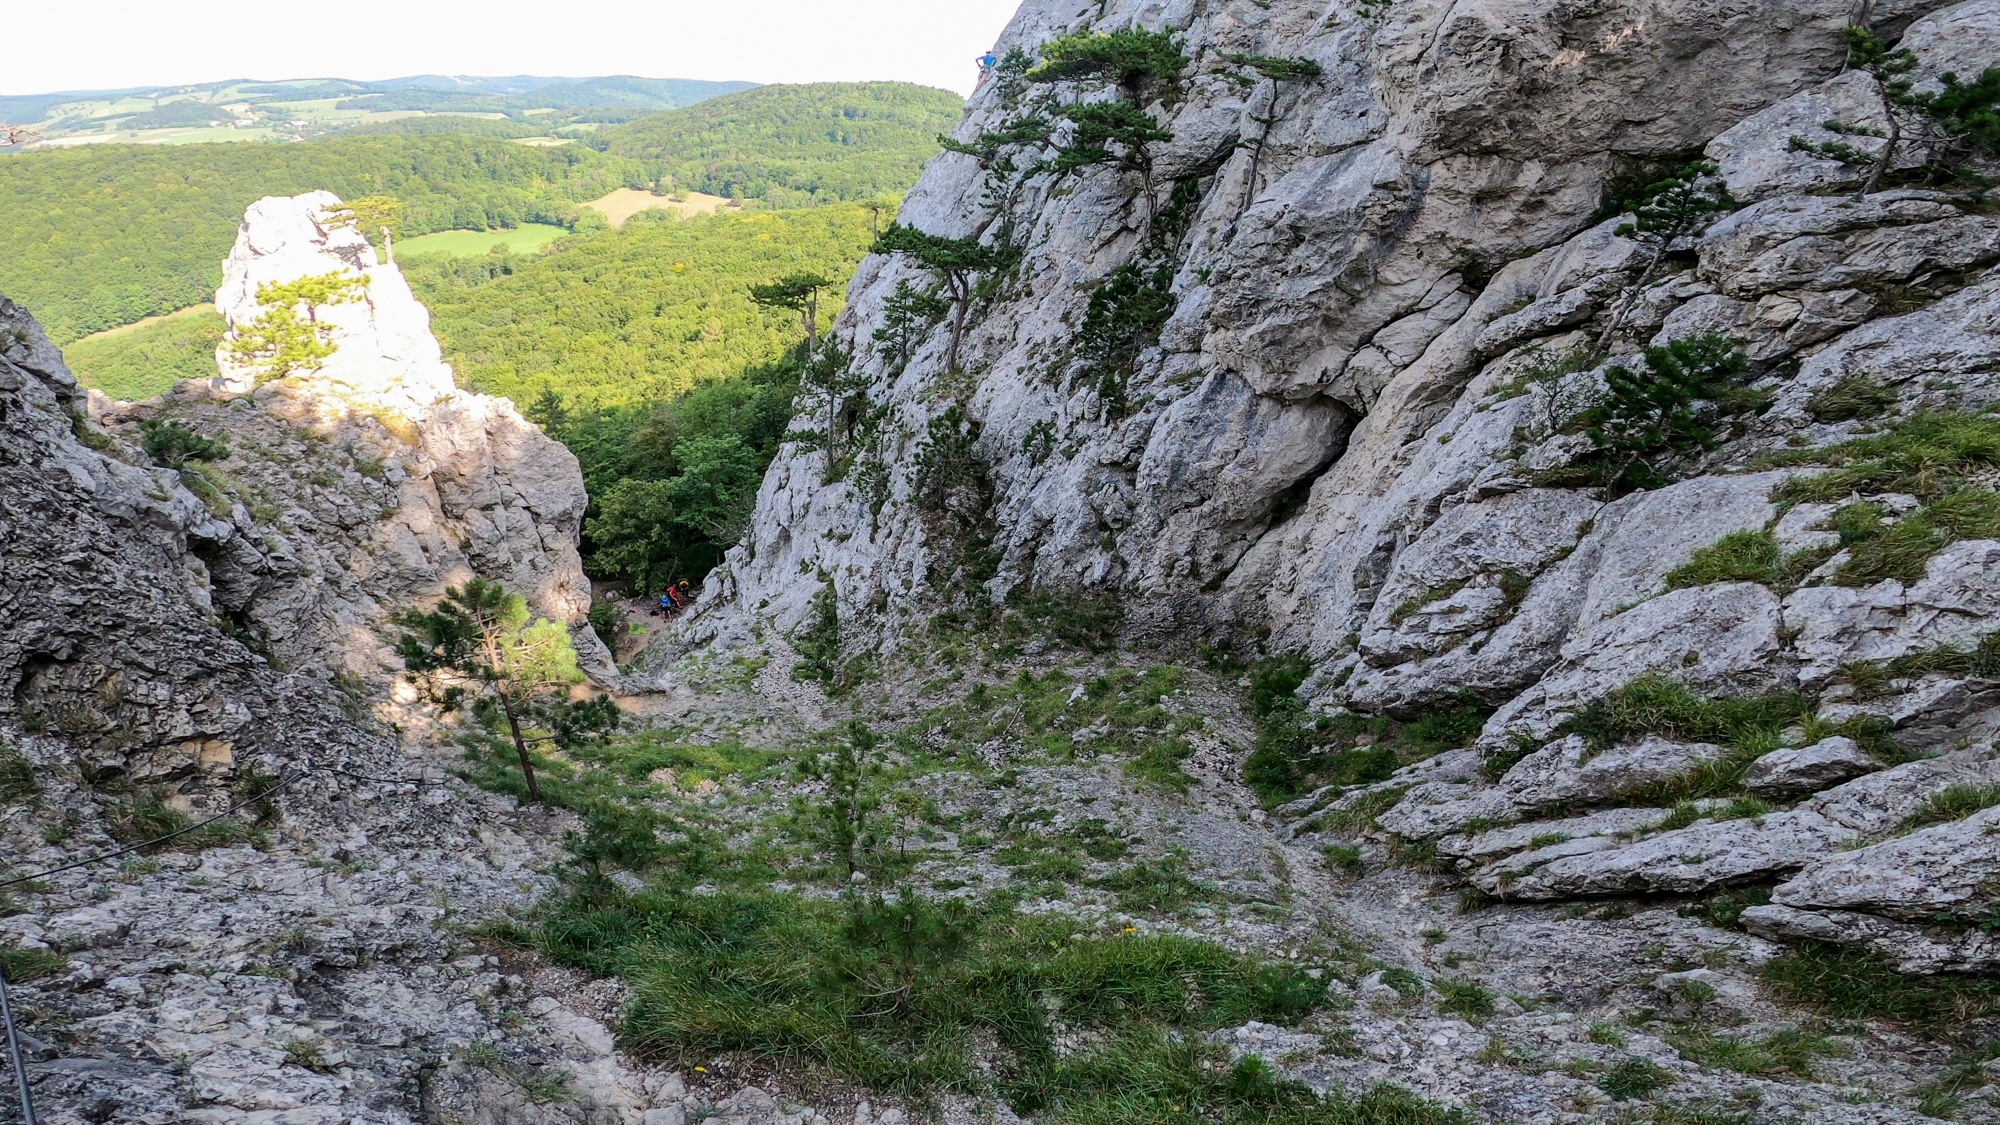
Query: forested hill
pixel 638 314
pixel 794 146
pixel 642 351
pixel 103 235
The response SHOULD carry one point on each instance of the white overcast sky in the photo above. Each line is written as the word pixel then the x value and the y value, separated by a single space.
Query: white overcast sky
pixel 109 44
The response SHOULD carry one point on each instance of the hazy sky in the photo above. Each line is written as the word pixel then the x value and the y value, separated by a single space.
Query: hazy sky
pixel 116 43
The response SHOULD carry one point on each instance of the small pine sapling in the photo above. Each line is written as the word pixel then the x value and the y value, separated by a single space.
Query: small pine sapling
pixel 907 314
pixel 481 646
pixel 172 446
pixel 910 938
pixel 1659 413
pixel 1683 203
pixel 839 819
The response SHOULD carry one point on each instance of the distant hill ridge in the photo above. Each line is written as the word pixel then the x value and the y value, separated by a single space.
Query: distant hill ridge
pixel 793 146
pixel 462 92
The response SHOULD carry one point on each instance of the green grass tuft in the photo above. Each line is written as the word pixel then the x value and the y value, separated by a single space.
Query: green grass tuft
pixel 1853 397
pixel 1632 1078
pixel 1464 997
pixel 1926 455
pixel 147 816
pixel 1747 728
pixel 1789 1051
pixel 1296 753
pixel 1954 802
pixel 1872 676
pixel 1160 886
pixel 1740 556
pixel 1846 982
pixel 23 965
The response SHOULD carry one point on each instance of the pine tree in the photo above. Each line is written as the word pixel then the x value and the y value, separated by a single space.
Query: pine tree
pixel 1680 204
pixel 278 340
pixel 800 294
pixel 480 646
pixel 956 261
pixel 172 446
pixel 1658 412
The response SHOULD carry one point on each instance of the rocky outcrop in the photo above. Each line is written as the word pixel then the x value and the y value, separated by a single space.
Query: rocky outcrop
pixel 1350 439
pixel 178 644
pixel 369 484
pixel 111 634
pixel 1414 212
pixel 318 976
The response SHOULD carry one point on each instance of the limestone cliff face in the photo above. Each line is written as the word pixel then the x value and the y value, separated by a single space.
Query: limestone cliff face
pixel 129 667
pixel 111 634
pixel 1340 438
pixel 1328 300
pixel 374 482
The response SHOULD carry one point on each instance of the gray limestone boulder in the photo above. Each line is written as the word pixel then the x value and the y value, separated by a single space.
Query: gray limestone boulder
pixel 1808 769
pixel 1756 156
pixel 1685 861
pixel 1943 871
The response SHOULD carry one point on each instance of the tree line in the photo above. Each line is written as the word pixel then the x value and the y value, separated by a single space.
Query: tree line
pixel 106 235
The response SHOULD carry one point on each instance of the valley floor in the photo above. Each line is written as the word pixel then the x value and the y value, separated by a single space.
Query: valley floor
pixel 401 945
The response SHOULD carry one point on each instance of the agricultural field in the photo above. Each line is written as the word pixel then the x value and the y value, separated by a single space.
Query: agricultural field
pixel 624 203
pixel 304 108
pixel 524 239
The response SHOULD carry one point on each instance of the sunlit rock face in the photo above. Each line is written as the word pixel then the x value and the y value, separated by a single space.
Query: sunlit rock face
pixel 1347 441
pixel 1354 236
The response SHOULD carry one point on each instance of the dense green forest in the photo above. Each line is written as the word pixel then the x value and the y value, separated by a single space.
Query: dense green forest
pixel 638 314
pixel 642 351
pixel 104 235
pixel 794 146
pixel 143 360
pixel 640 348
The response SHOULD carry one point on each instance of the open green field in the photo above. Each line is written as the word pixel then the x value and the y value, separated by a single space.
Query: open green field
pixel 524 239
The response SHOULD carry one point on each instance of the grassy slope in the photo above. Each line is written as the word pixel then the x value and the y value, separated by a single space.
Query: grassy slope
pixel 142 360
pixel 526 238
pixel 796 145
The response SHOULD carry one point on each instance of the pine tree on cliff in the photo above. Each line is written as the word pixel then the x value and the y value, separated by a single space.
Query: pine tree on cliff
pixel 955 261
pixel 481 647
pixel 1678 205
pixel 798 293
